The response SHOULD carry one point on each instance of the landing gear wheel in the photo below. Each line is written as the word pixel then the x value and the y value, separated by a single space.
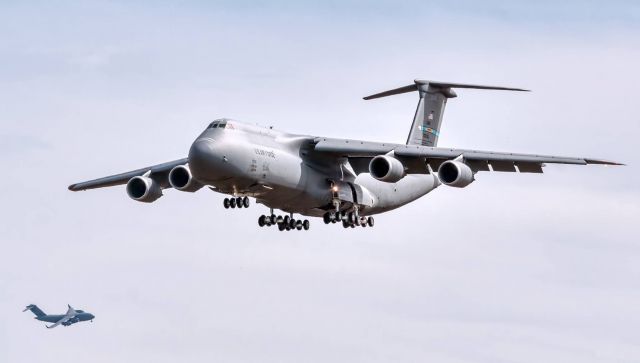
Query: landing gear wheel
pixel 281 227
pixel 273 219
pixel 299 225
pixel 292 223
pixel 352 218
pixel 232 202
pixel 345 224
pixel 239 202
pixel 306 225
pixel 326 218
pixel 245 202
pixel 262 220
pixel 225 203
pixel 370 221
pixel 286 220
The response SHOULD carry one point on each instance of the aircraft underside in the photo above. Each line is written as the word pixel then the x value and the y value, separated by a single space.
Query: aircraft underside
pixel 341 180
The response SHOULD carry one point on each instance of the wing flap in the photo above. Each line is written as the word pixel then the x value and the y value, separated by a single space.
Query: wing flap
pixel 503 166
pixel 529 167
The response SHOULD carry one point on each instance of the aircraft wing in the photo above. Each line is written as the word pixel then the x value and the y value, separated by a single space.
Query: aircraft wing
pixel 161 170
pixel 421 159
pixel 61 321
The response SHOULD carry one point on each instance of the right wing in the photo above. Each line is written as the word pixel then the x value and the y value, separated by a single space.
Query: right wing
pixel 161 171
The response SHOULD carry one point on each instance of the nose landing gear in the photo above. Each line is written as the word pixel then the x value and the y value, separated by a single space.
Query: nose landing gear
pixel 239 202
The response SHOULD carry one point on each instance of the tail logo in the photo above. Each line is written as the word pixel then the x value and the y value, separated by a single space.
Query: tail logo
pixel 428 130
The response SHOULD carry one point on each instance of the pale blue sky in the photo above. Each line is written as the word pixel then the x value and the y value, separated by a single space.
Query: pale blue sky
pixel 514 268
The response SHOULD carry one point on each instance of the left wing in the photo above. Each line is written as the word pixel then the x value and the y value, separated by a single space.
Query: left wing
pixel 71 313
pixel 61 321
pixel 422 159
pixel 161 170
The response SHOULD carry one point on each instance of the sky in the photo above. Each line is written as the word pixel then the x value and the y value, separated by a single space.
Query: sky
pixel 513 268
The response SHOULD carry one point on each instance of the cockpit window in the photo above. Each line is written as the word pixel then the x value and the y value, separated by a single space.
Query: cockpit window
pixel 218 124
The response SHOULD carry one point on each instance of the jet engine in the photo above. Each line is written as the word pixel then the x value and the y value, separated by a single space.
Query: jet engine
pixel 143 189
pixel 386 168
pixel 455 174
pixel 181 179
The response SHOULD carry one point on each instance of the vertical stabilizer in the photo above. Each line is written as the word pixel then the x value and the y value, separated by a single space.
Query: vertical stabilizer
pixel 425 128
pixel 427 120
pixel 35 309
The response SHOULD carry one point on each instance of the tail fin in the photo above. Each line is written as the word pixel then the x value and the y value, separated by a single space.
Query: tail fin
pixel 433 97
pixel 34 309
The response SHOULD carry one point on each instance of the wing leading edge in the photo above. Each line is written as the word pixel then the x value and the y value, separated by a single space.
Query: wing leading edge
pixel 123 178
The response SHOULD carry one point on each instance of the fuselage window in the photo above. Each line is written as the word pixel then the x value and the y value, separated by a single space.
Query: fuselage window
pixel 222 125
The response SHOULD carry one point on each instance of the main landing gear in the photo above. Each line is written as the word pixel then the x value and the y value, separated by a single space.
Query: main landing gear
pixel 350 219
pixel 239 202
pixel 284 223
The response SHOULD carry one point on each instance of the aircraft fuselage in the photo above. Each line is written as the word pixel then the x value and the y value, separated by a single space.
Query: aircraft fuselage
pixel 281 172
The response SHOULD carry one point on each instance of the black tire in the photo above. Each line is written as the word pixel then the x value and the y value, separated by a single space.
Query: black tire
pixel 292 223
pixel 239 202
pixel 286 220
pixel 281 227
pixel 299 225
pixel 326 218
pixel 262 220
pixel 352 218
pixel 370 221
pixel 273 219
pixel 306 224
pixel 225 203
pixel 245 202
pixel 345 224
pixel 232 202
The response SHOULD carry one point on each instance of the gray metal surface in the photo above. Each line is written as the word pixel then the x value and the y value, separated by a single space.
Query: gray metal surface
pixel 309 175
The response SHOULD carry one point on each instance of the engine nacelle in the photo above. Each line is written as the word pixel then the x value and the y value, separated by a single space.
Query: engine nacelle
pixel 386 168
pixel 181 179
pixel 455 174
pixel 143 189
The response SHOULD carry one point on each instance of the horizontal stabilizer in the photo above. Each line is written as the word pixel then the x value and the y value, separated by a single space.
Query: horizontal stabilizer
pixel 439 85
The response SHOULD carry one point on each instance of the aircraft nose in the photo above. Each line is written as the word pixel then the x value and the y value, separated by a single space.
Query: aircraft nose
pixel 202 158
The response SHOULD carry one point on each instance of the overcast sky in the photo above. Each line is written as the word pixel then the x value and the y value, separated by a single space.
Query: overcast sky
pixel 513 268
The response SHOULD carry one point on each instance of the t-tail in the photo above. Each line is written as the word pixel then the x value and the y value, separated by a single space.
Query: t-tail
pixel 34 309
pixel 425 128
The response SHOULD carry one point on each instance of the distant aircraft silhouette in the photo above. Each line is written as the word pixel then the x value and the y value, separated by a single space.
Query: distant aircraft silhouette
pixel 71 317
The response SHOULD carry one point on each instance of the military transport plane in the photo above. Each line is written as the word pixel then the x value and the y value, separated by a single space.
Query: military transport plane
pixel 340 180
pixel 71 317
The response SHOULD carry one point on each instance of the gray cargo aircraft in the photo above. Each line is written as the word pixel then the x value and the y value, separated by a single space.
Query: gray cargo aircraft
pixel 340 180
pixel 71 317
